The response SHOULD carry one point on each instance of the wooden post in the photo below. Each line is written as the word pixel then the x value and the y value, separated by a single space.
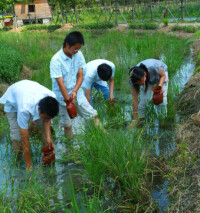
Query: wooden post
pixel 61 12
pixel 105 8
pixel 151 8
pixel 182 10
pixel 116 16
pixel 66 13
pixel 132 10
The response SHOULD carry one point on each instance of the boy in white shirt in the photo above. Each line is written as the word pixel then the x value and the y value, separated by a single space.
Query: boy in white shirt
pixel 96 73
pixel 66 70
pixel 24 101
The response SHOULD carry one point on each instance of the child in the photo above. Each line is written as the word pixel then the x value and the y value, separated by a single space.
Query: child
pixel 66 69
pixel 27 100
pixel 145 75
pixel 96 73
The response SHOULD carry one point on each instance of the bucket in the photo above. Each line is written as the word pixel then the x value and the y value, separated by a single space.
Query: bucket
pixel 157 97
pixel 196 118
pixel 71 109
pixel 49 156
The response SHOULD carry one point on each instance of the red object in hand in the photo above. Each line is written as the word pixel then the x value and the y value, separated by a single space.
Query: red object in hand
pixel 71 108
pixel 49 156
pixel 157 96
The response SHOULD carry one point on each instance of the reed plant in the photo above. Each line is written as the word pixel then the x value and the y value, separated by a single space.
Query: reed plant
pixel 119 155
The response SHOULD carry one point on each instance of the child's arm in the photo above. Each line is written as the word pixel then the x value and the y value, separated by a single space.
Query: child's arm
pixel 78 83
pixel 111 87
pixel 62 88
pixel 47 133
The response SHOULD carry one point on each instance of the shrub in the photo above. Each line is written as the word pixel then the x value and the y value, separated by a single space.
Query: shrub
pixel 3 29
pixel 95 25
pixel 41 27
pixel 147 26
pixel 185 28
pixel 165 21
pixel 10 63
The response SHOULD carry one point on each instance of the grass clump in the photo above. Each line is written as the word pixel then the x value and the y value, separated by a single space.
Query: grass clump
pixel 95 25
pixel 146 26
pixel 41 27
pixel 184 28
pixel 5 29
pixel 10 63
pixel 122 158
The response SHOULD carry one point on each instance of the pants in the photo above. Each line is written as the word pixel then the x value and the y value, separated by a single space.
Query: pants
pixel 85 110
pixel 99 88
pixel 146 97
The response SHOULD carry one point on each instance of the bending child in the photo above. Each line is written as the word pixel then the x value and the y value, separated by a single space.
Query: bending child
pixel 24 101
pixel 142 78
pixel 96 73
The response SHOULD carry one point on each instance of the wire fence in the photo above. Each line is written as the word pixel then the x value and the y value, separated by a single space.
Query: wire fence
pixel 173 10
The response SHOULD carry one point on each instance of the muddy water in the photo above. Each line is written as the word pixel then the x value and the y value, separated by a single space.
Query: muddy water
pixel 12 174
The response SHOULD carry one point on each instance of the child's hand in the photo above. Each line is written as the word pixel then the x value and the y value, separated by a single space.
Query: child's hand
pixel 73 95
pixel 29 168
pixel 132 124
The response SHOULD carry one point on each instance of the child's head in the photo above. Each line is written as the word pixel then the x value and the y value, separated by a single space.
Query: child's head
pixel 139 76
pixel 48 108
pixel 104 72
pixel 73 42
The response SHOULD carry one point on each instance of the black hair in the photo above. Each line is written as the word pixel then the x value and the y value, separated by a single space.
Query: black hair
pixel 73 38
pixel 104 72
pixel 49 105
pixel 136 74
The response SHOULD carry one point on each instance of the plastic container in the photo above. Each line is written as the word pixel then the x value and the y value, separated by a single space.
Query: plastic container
pixel 157 97
pixel 49 156
pixel 196 118
pixel 71 109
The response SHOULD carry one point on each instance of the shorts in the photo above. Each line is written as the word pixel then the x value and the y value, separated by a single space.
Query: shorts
pixel 14 126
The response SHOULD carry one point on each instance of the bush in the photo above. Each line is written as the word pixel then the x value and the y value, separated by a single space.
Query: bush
pixel 147 26
pixel 185 28
pixel 41 27
pixel 10 63
pixel 103 25
pixel 3 29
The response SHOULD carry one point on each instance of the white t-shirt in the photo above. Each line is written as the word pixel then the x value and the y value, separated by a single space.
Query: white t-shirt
pixel 23 97
pixel 90 73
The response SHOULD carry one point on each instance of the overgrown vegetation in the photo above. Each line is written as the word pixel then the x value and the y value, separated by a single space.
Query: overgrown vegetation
pixel 185 28
pixel 41 27
pixel 10 63
pixel 95 25
pixel 146 26
pixel 4 29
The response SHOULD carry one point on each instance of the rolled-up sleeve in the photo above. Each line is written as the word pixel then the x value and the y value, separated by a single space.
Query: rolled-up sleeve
pixel 87 82
pixel 55 69
pixel 81 62
pixel 23 119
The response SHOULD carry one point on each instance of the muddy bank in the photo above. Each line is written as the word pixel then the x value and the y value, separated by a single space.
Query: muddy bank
pixel 186 161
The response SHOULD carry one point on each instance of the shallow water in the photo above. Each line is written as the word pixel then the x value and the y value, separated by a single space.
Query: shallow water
pixel 163 144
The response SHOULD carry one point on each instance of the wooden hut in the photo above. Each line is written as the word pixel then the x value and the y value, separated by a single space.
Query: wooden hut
pixel 8 22
pixel 37 11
